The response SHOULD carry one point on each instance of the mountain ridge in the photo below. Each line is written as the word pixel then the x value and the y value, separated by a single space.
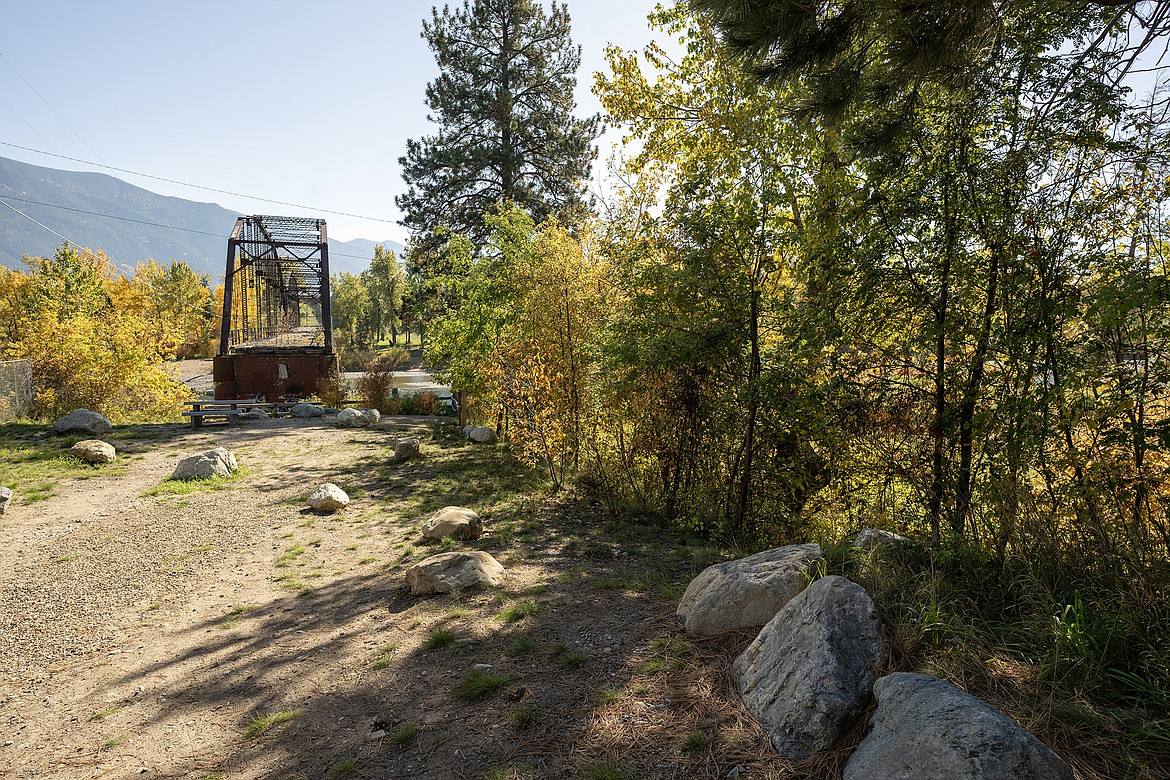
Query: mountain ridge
pixel 127 222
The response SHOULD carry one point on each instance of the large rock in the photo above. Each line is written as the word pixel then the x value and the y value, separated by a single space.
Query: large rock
pixel 454 571
pixel 218 462
pixel 406 449
pixel 93 451
pixel 5 499
pixel 253 414
pixel 871 538
pixel 328 498
pixel 454 521
pixel 483 435
pixel 306 410
pixel 926 728
pixel 746 592
pixel 83 421
pixel 358 418
pixel 809 673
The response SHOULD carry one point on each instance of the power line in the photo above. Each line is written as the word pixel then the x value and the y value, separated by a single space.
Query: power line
pixel 124 219
pixel 197 186
pixel 42 97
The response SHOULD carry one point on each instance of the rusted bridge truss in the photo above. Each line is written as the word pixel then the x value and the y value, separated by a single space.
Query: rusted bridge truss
pixel 276 336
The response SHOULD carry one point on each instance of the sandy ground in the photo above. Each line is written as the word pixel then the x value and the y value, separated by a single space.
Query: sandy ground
pixel 122 657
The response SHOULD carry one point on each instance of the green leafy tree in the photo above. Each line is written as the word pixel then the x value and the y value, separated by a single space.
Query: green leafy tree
pixel 503 102
pixel 386 284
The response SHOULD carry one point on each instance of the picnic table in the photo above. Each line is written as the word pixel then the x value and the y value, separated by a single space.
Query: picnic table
pixel 228 408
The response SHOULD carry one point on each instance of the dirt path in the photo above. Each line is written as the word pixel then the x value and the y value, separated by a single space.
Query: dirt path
pixel 145 633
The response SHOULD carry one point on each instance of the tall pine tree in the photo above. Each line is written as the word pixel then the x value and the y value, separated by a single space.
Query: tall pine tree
pixel 504 104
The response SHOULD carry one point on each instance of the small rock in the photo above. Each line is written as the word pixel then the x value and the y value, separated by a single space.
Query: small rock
pixel 748 591
pixel 483 435
pixel 5 499
pixel 218 462
pixel 93 451
pixel 406 449
pixel 358 418
pixel 8 743
pixel 456 522
pixel 83 421
pixel 482 667
pixel 736 771
pixel 869 538
pixel 377 734
pixel 454 571
pixel 328 498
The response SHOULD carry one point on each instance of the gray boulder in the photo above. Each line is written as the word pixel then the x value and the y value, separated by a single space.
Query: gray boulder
pixel 454 571
pixel 328 498
pixel 483 435
pixel 746 592
pixel 406 449
pixel 5 499
pixel 306 410
pixel 809 673
pixel 83 421
pixel 93 451
pixel 253 414
pixel 218 462
pixel 456 522
pixel 926 728
pixel 870 538
pixel 358 418
pixel 467 429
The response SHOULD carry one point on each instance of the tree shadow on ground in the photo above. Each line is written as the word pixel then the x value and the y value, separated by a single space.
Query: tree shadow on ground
pixel 575 667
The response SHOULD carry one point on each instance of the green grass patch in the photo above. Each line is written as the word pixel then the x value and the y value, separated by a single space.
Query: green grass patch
pixel 518 611
pixel 438 638
pixel 385 657
pixel 403 735
pixel 259 725
pixel 115 741
pixel 181 487
pixel 343 768
pixel 100 714
pixel 237 612
pixel 290 555
pixel 479 684
pixel 521 645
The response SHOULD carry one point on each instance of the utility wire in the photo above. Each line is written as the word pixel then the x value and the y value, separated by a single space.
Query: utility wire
pixel 125 219
pixel 38 132
pixel 42 97
pixel 196 186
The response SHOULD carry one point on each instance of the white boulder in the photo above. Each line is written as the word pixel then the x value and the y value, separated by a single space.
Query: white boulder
pixel 810 672
pixel 5 499
pixel 93 451
pixel 456 522
pixel 483 435
pixel 307 410
pixel 405 449
pixel 925 728
pixel 454 571
pixel 328 498
pixel 83 421
pixel 746 592
pixel 358 418
pixel 871 538
pixel 218 462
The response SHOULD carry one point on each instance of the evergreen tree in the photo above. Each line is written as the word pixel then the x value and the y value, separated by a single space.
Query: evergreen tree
pixel 504 104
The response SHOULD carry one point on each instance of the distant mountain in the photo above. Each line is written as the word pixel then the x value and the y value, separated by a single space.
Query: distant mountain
pixel 101 212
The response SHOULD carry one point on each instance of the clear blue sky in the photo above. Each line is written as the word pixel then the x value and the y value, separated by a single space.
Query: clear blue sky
pixel 304 102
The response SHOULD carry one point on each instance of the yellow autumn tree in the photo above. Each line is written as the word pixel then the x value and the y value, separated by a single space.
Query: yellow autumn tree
pixel 90 337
